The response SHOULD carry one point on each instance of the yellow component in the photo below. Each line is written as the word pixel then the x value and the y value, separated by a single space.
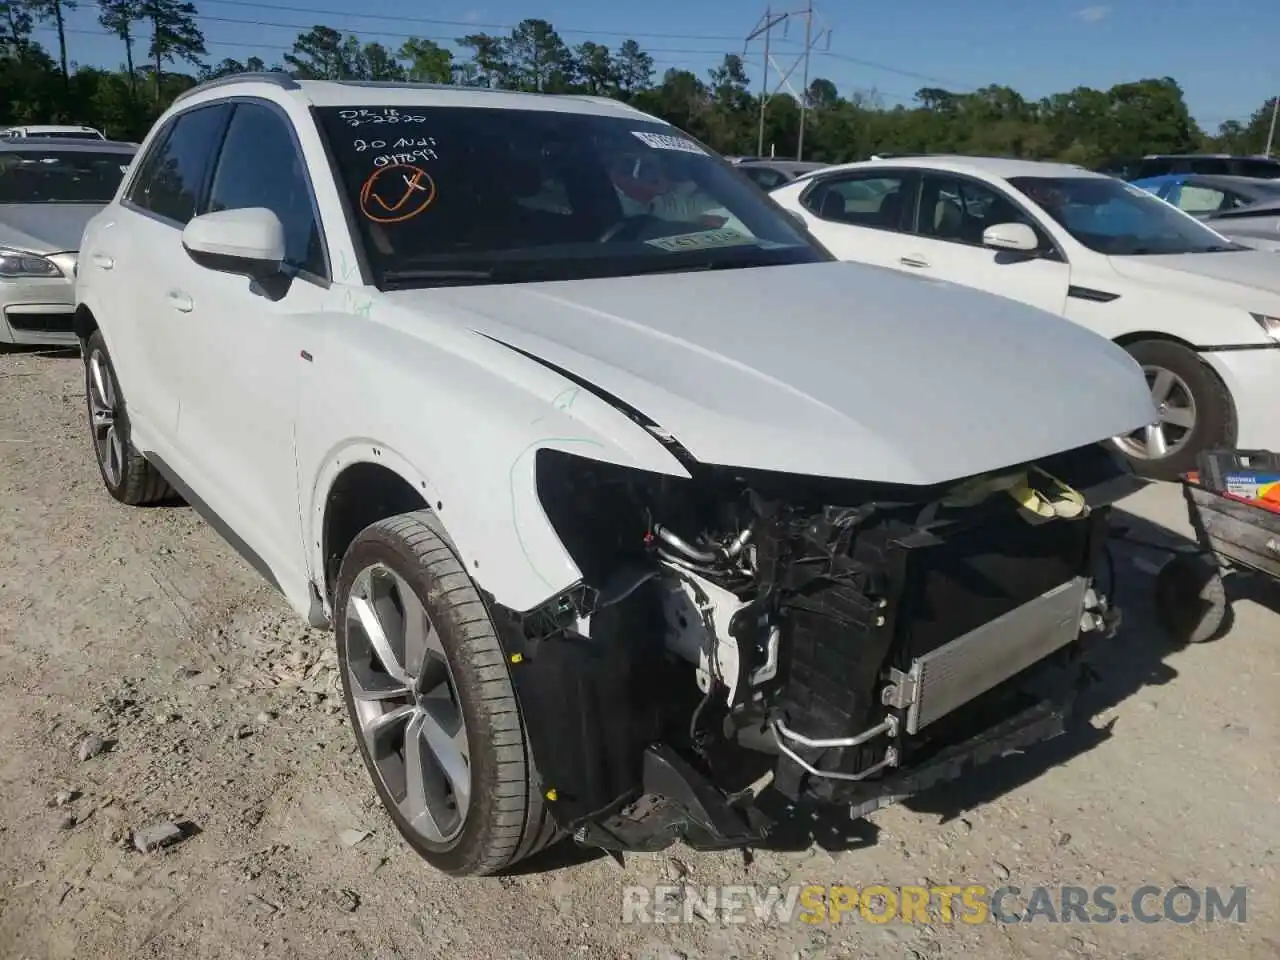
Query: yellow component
pixel 517 658
pixel 552 795
pixel 1060 501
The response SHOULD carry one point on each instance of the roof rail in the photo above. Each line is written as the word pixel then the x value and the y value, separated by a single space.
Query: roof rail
pixel 276 78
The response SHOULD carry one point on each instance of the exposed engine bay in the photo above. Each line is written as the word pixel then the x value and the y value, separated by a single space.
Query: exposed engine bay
pixel 838 642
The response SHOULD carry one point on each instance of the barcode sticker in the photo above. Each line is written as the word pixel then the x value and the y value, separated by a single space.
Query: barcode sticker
pixel 662 141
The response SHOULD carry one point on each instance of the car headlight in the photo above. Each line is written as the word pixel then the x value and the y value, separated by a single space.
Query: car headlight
pixel 1270 325
pixel 18 263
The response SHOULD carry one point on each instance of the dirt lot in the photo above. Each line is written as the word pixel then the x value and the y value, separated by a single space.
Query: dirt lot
pixel 219 712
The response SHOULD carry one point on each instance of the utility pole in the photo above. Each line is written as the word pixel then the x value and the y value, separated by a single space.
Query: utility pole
pixel 1271 134
pixel 804 84
pixel 764 28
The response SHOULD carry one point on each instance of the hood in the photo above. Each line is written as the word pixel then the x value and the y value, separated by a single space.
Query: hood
pixel 45 227
pixel 1245 278
pixel 828 369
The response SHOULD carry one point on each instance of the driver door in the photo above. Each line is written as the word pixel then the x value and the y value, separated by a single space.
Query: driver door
pixel 947 243
pixel 247 346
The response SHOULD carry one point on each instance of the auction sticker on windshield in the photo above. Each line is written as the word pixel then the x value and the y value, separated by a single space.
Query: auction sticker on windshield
pixel 662 141
pixel 701 241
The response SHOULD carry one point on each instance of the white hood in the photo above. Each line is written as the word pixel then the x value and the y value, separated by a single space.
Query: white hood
pixel 1249 279
pixel 828 369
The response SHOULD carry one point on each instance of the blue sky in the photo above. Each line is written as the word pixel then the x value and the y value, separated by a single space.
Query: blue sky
pixel 1221 51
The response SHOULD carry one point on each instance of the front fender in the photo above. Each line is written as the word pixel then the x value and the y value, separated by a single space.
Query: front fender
pixel 1140 310
pixel 459 418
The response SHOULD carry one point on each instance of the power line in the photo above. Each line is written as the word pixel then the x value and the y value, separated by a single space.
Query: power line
pixel 466 24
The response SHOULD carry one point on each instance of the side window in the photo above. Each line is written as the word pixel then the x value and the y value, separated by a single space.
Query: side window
pixel 261 166
pixel 1198 200
pixel 960 210
pixel 172 177
pixel 867 200
pixel 1259 168
pixel 1155 167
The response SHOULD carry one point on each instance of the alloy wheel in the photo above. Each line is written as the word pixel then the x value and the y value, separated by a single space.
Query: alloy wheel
pixel 1176 406
pixel 406 704
pixel 104 416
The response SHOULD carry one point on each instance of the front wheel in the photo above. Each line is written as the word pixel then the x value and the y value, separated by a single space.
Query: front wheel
pixel 428 693
pixel 1194 406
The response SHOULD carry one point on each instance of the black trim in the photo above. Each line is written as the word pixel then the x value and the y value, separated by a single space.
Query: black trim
pixel 220 526
pixel 673 446
pixel 1088 293
pixel 1237 347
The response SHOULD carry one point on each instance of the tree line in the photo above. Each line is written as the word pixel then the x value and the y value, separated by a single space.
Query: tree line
pixel 164 52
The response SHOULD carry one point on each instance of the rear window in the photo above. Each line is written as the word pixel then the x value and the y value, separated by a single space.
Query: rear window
pixel 60 175
pixel 1264 169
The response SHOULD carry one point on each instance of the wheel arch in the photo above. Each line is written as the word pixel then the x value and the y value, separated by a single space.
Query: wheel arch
pixel 1127 340
pixel 83 322
pixel 518 558
pixel 361 493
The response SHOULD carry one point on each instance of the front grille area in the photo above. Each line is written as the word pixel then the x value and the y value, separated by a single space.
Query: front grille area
pixel 39 322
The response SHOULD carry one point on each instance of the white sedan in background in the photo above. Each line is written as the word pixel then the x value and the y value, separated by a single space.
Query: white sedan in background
pixel 1200 313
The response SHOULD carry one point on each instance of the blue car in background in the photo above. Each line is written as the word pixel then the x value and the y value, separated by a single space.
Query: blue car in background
pixel 1244 209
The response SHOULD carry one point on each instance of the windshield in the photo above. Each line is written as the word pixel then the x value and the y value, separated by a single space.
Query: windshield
pixel 60 176
pixel 1119 219
pixel 465 195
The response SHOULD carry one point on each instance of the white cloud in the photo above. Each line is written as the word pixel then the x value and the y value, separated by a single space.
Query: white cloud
pixel 1092 14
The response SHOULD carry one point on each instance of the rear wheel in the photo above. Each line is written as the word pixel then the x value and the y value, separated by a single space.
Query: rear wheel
pixel 1195 411
pixel 126 473
pixel 428 692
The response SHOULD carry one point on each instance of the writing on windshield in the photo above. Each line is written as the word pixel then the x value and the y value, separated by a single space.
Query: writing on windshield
pixel 454 194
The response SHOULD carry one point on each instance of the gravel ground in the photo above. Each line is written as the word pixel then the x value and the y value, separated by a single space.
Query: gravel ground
pixel 137 640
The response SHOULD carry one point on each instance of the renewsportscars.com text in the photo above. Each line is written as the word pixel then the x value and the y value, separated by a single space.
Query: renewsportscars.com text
pixel 968 904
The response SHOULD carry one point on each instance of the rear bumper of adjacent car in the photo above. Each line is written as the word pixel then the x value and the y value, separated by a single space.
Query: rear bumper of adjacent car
pixel 37 310
pixel 1252 374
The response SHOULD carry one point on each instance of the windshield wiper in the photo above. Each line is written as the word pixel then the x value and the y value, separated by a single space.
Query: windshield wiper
pixel 437 277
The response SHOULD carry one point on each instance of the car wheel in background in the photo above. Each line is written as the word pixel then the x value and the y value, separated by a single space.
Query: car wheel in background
pixel 126 473
pixel 1196 412
pixel 428 693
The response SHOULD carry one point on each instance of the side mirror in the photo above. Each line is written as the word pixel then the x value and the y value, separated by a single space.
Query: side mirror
pixel 248 242
pixel 1010 236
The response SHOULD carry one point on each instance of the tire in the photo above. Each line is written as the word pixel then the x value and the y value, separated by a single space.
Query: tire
pixel 128 476
pixel 1210 407
pixel 1191 598
pixel 505 819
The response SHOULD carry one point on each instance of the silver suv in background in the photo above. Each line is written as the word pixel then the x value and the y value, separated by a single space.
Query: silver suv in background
pixel 49 190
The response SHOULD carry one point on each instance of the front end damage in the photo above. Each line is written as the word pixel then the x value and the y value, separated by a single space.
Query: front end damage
pixel 828 642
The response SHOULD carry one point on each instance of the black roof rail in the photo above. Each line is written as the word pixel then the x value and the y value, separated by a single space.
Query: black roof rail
pixel 274 77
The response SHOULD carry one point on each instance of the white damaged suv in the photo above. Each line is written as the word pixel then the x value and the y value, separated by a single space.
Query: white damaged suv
pixel 620 494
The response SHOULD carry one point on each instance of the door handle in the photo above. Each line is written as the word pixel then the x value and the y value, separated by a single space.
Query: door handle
pixel 180 301
pixel 914 262
pixel 102 261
